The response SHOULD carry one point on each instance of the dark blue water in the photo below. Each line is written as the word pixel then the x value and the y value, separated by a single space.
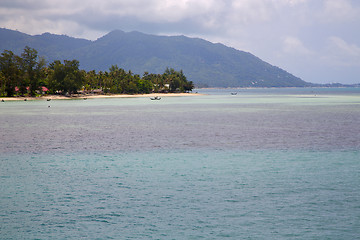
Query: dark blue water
pixel 257 165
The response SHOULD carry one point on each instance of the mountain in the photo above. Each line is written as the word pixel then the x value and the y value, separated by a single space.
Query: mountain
pixel 203 62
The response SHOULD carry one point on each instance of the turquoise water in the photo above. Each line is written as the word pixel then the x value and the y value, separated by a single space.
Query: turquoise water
pixel 264 164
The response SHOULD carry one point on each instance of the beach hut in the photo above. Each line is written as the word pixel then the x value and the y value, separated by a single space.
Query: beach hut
pixel 44 89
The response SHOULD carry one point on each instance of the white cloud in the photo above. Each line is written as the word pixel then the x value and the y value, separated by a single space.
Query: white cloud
pixel 335 11
pixel 344 47
pixel 293 46
pixel 340 53
pixel 249 11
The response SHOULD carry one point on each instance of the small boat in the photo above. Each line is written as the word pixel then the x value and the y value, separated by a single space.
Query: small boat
pixel 155 98
pixel 233 93
pixel 2 100
pixel 49 99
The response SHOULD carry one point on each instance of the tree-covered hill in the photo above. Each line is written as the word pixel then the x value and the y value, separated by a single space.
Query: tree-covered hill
pixel 203 62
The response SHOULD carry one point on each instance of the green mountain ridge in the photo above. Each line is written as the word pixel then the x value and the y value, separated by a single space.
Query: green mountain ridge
pixel 204 63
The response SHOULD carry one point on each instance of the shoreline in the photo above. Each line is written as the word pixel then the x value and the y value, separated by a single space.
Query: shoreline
pixel 94 96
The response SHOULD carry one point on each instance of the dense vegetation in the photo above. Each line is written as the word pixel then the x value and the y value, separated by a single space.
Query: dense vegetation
pixel 28 75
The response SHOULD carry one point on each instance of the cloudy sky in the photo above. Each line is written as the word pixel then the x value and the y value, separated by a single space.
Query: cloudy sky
pixel 316 40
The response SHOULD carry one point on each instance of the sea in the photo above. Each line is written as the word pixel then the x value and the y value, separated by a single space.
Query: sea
pixel 226 164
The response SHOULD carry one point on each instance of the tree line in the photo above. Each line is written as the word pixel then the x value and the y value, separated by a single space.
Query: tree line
pixel 29 75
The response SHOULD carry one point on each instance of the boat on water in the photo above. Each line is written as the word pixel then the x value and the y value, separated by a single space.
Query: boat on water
pixel 233 93
pixel 155 98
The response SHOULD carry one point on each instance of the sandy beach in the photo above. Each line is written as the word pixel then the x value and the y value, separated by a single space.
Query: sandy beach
pixel 90 96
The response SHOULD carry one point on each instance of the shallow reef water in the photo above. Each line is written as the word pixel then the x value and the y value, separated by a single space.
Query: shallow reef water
pixel 261 164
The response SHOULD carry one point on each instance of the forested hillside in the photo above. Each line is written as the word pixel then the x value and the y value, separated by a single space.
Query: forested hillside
pixel 203 62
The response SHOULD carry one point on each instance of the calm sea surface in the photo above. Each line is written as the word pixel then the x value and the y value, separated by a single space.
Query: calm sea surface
pixel 262 164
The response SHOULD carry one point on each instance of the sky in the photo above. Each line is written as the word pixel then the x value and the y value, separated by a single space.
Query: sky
pixel 316 40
